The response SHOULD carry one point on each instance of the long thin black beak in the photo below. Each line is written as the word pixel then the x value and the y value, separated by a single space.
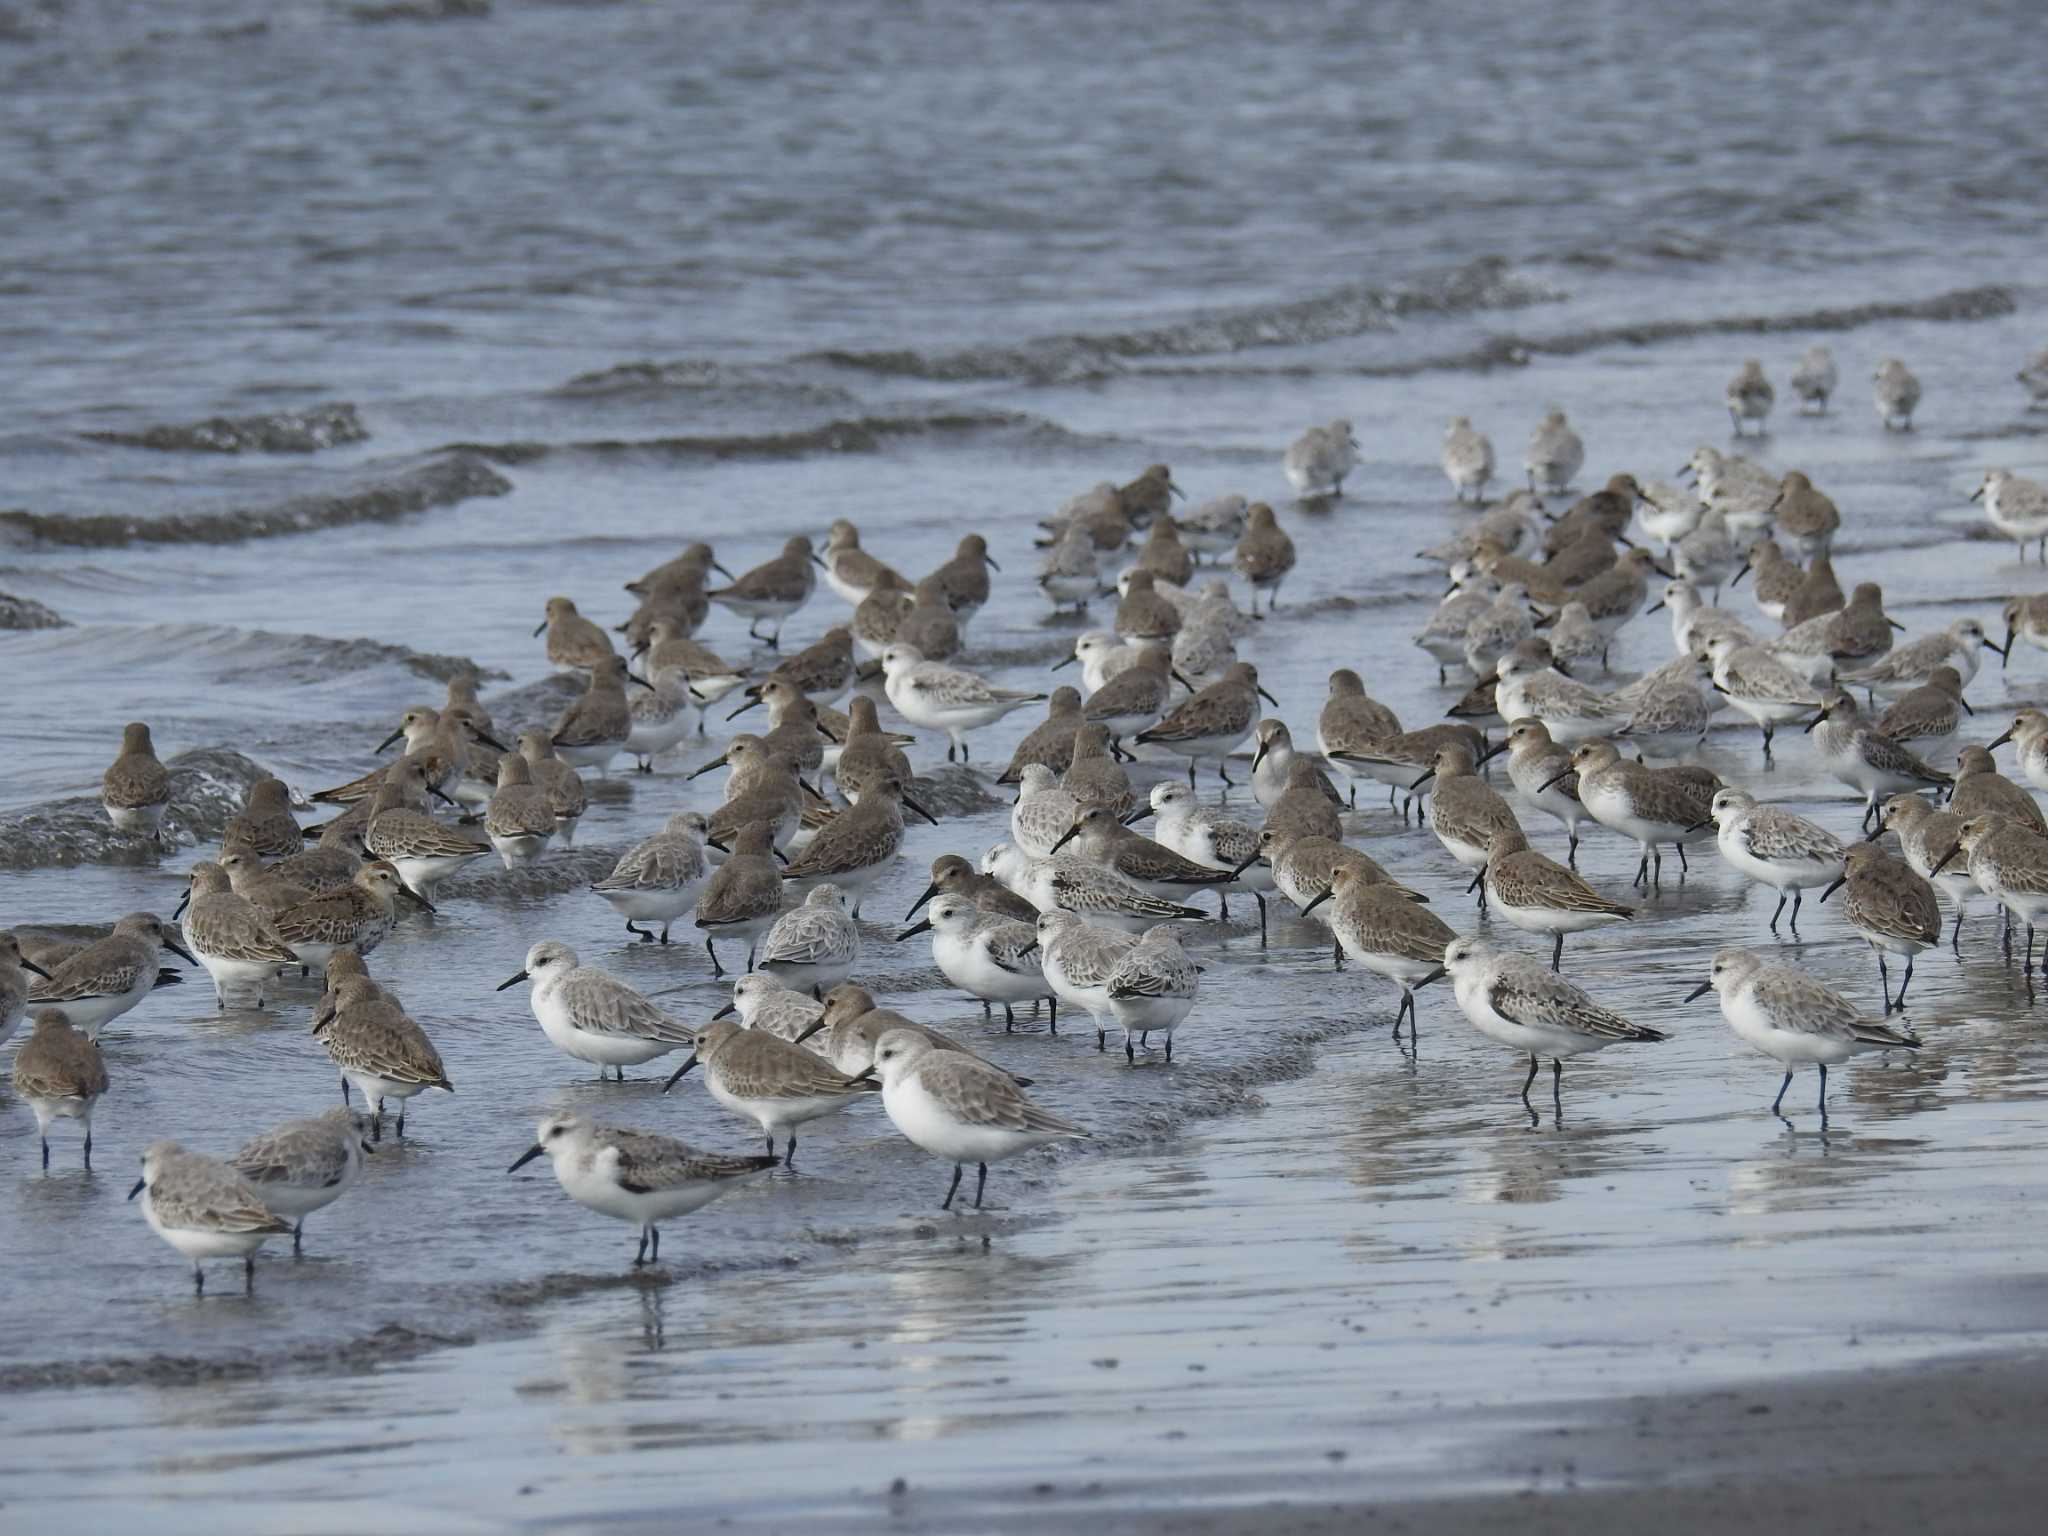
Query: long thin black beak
pixel 536 1150
pixel 1994 645
pixel 1489 754
pixel 728 575
pixel 511 981
pixel 1556 779
pixel 1418 783
pixel 809 1031
pixel 634 677
pixel 2005 656
pixel 927 815
pixel 1837 883
pixel 1895 624
pixel 1315 903
pixel 185 900
pixel 819 561
pixel 1183 495
pixel 929 892
pixel 1977 494
pixel 1066 837
pixel 1137 816
pixel 33 969
pixel 1999 741
pixel 1945 858
pixel 1268 697
pixel 397 735
pixel 1259 756
pixel 542 625
pixel 1435 975
pixel 914 930
pixel 1741 571
pixel 991 559
pixel 441 795
pixel 1247 864
pixel 716 762
pixel 1697 825
pixel 1965 703
pixel 744 707
pixel 1655 607
pixel 1028 948
pixel 1065 661
pixel 681 1072
pixel 140 1186
pixel 729 1008
pixel 1699 991
pixel 180 950
pixel 412 895
pixel 490 741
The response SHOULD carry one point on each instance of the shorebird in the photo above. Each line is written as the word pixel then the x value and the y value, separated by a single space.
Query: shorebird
pixel 1215 526
pixel 762 1002
pixel 562 782
pixel 1861 756
pixel 1892 907
pixel 1775 848
pixel 1070 572
pixel 574 643
pixel 1071 883
pixel 1650 806
pixel 1538 895
pixel 1152 989
pixel 2017 507
pixel 1320 458
pixel 850 570
pixel 954 876
pixel 1101 840
pixel 1818 592
pixel 1511 998
pixel 812 946
pixel 60 1074
pixel 1528 689
pixel 592 1016
pixel 1749 396
pixel 960 1109
pixel 1760 685
pixel 634 1175
pixel 2029 734
pixel 772 590
pixel 1273 760
pixel 1925 837
pixel 1906 667
pixel 359 915
pixel 945 698
pixel 520 819
pixel 744 896
pixel 376 1044
pixel 1396 760
pixel 1981 790
pixel 1555 453
pixel 1102 657
pixel 1148 497
pixel 868 752
pixel 1467 459
pixel 1376 924
pixel 1806 518
pixel 1136 697
pixel 2026 618
pixel 1164 555
pixel 852 849
pixel 1790 1017
pixel 1093 776
pixel 265 824
pixel 1143 615
pixel 1205 835
pixel 110 976
pixel 593 729
pixel 1896 393
pixel 422 850
pixel 1264 555
pixel 1496 630
pixel 1464 811
pixel 1777 577
pixel 1307 807
pixel 1214 722
pixel 988 957
pixel 774 1083
pixel 1050 744
pixel 1351 719
pixel 851 1024
pixel 2008 861
pixel 204 1209
pixel 136 788
pixel 676 662
pixel 15 969
pixel 1813 380
pixel 230 936
pixel 1471 594
pixel 1540 768
pixel 303 1166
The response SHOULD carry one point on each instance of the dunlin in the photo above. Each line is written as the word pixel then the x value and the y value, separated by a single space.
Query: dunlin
pixel 1538 895
pixel 772 1082
pixel 1650 806
pixel 60 1074
pixel 2008 861
pixel 954 876
pixel 265 823
pixel 1214 722
pixel 744 896
pixel 1380 928
pixel 110 976
pixel 520 820
pixel 853 849
pixel 1777 577
pixel 1148 497
pixel 422 850
pixel 1807 518
pixel 1981 790
pixel 1395 761
pixel 1215 526
pixel 1051 743
pixel 1352 718
pixel 1925 837
pixel 136 788
pixel 850 570
pixel 574 643
pixel 204 1209
pixel 1164 555
pixel 772 591
pixel 562 782
pixel 1264 555
pixel 1093 776
pixel 1818 592
pixel 230 936
pixel 1891 906
pixel 303 1166
pixel 593 729
pixel 379 1048
pixel 1464 811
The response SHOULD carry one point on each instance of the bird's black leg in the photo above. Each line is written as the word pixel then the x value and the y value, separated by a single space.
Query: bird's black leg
pixel 1224 774
pixel 654 1251
pixel 248 1274
pixel 1572 856
pixel 1101 1040
pixel 1884 979
pixel 198 1280
pixel 1781 1091
pixel 1557 952
pixel 1797 897
pixel 298 1232
pixel 1824 1079
pixel 1955 938
pixel 1261 900
pixel 947 1203
pixel 789 1158
pixel 1642 870
pixel 980 1183
pixel 88 1150
pixel 716 969
pixel 1557 1085
pixel 1009 1019
pixel 640 1254
pixel 1130 1055
pixel 1530 1078
pixel 1900 1002
pixel 1684 868
pixel 1052 1005
pixel 644 935
pixel 1782 899
pixel 1191 773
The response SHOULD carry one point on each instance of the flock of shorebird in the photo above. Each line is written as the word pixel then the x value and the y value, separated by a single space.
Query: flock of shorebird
pixel 1077 906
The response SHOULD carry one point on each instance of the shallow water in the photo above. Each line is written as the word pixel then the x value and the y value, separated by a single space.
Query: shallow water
pixel 581 324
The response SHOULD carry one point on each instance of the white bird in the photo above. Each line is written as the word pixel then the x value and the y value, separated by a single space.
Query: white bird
pixel 1320 458
pixel 1152 988
pixel 943 698
pixel 657 880
pixel 204 1209
pixel 812 947
pixel 592 1016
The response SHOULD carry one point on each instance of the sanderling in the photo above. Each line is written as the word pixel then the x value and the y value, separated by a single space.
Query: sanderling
pixel 1728 479
pixel 1861 756
pixel 1164 555
pixel 1093 776
pixel 1554 454
pixel 1214 722
pixel 1051 742
pixel 593 729
pixel 1693 622
pixel 1273 760
pixel 359 915
pixel 1925 718
pixel 303 1166
pixel 1395 761
pixel 1774 847
pixel 2008 861
pixel 1708 556
pixel 230 936
pixel 562 782
pixel 1467 459
pixel 1201 652
pixel 14 983
pixel 1044 813
pixel 1077 958
pixel 813 946
pixel 1134 698
pixel 850 570
pixel 61 1074
pixel 960 1109
pixel 265 823
pixel 1206 836
pixel 1102 657
pixel 954 876
pixel 1152 989
pixel 1896 393
pixel 1319 459
pixel 854 847
pixel 1807 518
pixel 136 788
pixel 1650 806
pixel 1472 593
pixel 635 1176
pixel 660 718
pixel 1149 496
pixel 1527 690
pixel 1102 840
pixel 1540 768
pixel 1069 572
pixel 1464 811
pixel 1891 906
pixel 772 590
pixel 422 850
pixel 1760 685
pixel 1981 790
pixel 574 643
pixel 1777 577
pixel 1215 526
pixel 1378 926
pixel 204 1209
pixel 1497 629
pixel 379 1048
pixel 1352 718
pixel 770 1081
pixel 1074 884
pixel 764 1003
pixel 592 1016
pixel 994 959
pixel 1574 637
pixel 2017 507
pixel 2029 735
pixel 744 896
pixel 1925 837
pixel 1539 895
pixel 1813 380
pixel 946 698
pixel 1749 395
pixel 1513 999
pixel 1668 513
pixel 1264 555
pixel 1818 592
pixel 110 976
pixel 520 819
pixel 1785 1013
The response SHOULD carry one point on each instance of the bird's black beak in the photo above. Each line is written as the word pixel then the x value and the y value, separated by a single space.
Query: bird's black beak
pixel 1180 677
pixel 1268 697
pixel 490 741
pixel 1836 884
pixel 414 896
pixel 1977 494
pixel 1816 720
pixel 1259 756
pixel 1945 858
pixel 33 969
pixel 1999 741
pixel 1490 754
pixel 179 950
pixel 1992 644
pixel 1895 624
pixel 1028 948
pixel 140 1186
pixel 914 930
pixel 2005 656
pixel 681 1072
pixel 991 559
pixel 819 561
pixel 744 707
pixel 538 628
pixel 809 1031
pixel 1556 779
pixel 1418 783
pixel 1065 661
pixel 1066 837
pixel 1741 571
pixel 728 575
pixel 729 1008
pixel 1696 826
pixel 536 1150
pixel 441 795
pixel 1435 975
pixel 1315 903
pixel 635 677
pixel 1247 864
pixel 1655 607
pixel 397 735
pixel 716 762
pixel 929 892
pixel 927 815
pixel 1137 816
pixel 1699 991
pixel 511 981
pixel 185 900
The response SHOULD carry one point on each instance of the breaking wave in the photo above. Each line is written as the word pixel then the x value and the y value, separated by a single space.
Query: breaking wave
pixel 324 426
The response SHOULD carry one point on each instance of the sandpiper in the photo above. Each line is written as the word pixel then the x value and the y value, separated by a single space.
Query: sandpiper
pixel 1044 813
pixel 1925 837
pixel 2035 378
pixel 945 698
pixel 1472 593
pixel 1264 555
pixel 1555 453
pixel 110 976
pixel 1540 768
pixel 773 590
pixel 15 969
pixel 764 1003
pixel 60 1073
pixel 1098 512
pixel 1351 718
pixel 265 823
pixel 1526 689
pixel 359 915
pixel 994 959
pixel 422 850
pixel 1513 999
pixel 1861 756
pixel 1464 811
pixel 303 1166
pixel 592 1016
pixel 1777 577
pixel 1504 624
pixel 1378 926
pixel 1077 959
pixel 2029 734
pixel 1395 761
pixel 1152 989
pixel 204 1209
pixel 868 753
pixel 821 671
pixel 520 819
pixel 2017 507
pixel 379 1048
pixel 635 1176
pixel 1215 526
pixel 230 936
pixel 1149 496
pixel 1070 572
pixel 1072 883
pixel 853 849
pixel 1538 895
pixel 1818 592
pixel 1760 685
pixel 772 1082
pixel 1749 396
pixel 1273 760
pixel 591 731
pixel 1164 555
pixel 1891 906
pixel 851 1024
pixel 1214 722
pixel 1102 656
pixel 929 623
pixel 562 782
pixel 1807 518
pixel 1959 647
pixel 1981 790
pixel 1102 840
pixel 1773 847
pixel 1467 459
pixel 2026 618
pixel 954 876
pixel 1896 393
pixel 1792 1018
pixel 1813 380
pixel 850 570
pixel 676 662
pixel 574 643
pixel 1093 776
pixel 136 788
pixel 2008 861
pixel 1319 459
pixel 812 946
pixel 744 896
pixel 1134 698
pixel 1927 717
pixel 1143 615
pixel 1650 806
pixel 1050 743
pixel 1205 835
